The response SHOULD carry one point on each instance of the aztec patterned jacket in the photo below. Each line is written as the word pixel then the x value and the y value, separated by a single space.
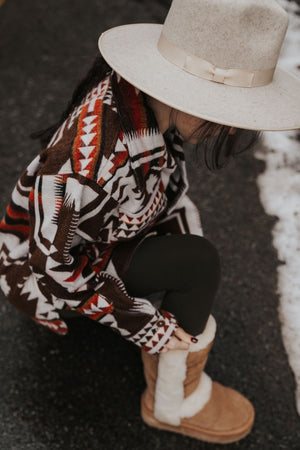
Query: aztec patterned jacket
pixel 106 181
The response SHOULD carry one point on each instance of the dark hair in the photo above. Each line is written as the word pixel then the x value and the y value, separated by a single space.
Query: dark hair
pixel 219 143
pixel 217 150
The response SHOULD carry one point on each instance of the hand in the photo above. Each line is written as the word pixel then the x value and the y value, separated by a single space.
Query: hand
pixel 180 340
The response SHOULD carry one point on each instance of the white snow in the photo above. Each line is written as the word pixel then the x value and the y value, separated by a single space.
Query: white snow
pixel 280 195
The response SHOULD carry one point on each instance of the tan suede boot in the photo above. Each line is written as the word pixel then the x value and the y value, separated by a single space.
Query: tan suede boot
pixel 181 397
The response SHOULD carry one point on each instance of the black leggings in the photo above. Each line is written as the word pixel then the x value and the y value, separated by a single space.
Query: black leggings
pixel 187 267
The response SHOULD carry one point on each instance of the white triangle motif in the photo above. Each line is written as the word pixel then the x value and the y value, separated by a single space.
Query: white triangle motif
pixel 87 138
pixel 53 249
pixel 84 163
pixel 119 146
pixel 89 128
pixel 88 120
pixel 86 151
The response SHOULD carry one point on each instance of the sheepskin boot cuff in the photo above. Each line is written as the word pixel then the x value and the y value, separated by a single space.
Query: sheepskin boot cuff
pixel 177 395
pixel 181 397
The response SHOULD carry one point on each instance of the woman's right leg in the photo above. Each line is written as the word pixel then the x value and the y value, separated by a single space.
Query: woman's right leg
pixel 187 267
pixel 180 396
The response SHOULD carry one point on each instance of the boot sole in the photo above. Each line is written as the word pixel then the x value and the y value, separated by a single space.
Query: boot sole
pixel 202 435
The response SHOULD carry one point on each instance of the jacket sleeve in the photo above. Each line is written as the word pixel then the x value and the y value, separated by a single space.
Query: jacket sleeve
pixel 70 221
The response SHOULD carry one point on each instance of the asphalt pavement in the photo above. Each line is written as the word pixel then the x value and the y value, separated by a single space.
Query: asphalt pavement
pixel 82 391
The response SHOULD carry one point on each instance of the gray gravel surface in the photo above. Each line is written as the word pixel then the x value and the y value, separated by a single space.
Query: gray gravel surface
pixel 83 391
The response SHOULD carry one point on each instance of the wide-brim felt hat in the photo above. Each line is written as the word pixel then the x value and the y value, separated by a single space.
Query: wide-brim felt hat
pixel 213 59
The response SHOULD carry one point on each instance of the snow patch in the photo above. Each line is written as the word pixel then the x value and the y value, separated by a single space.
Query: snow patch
pixel 280 195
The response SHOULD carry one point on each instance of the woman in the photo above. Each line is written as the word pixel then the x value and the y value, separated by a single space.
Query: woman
pixel 100 220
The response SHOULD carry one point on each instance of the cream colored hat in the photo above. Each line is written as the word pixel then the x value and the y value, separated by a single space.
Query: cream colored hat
pixel 214 59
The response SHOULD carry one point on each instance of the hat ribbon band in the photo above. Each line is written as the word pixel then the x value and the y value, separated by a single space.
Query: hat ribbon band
pixel 204 69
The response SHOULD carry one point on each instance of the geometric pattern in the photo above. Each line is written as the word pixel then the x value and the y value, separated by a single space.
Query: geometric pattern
pixel 157 333
pixel 85 145
pixel 108 177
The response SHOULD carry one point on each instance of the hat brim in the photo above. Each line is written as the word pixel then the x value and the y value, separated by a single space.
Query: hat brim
pixel 131 50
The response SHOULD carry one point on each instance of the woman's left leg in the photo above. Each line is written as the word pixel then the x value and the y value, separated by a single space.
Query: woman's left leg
pixel 187 267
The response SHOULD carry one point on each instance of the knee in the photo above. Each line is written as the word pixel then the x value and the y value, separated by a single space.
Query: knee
pixel 204 259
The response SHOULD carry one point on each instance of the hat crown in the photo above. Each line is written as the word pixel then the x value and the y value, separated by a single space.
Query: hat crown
pixel 239 34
